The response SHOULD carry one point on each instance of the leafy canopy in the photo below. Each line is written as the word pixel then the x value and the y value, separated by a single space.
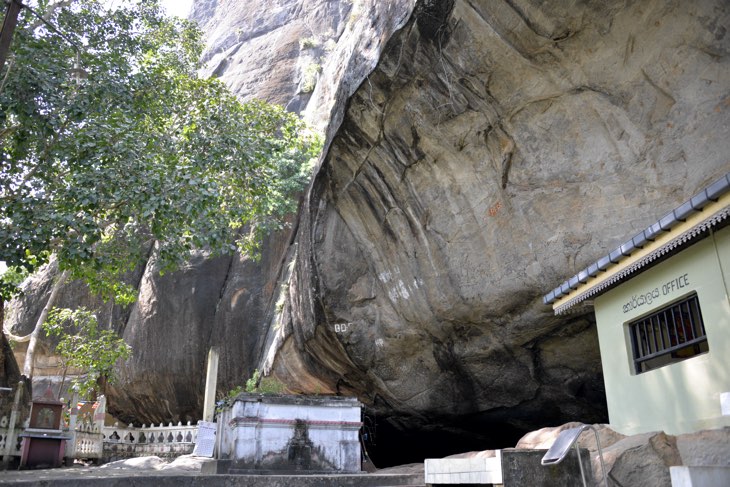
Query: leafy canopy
pixel 86 347
pixel 141 152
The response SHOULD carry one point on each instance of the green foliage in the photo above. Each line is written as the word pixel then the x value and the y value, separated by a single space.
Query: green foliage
pixel 84 346
pixel 264 385
pixel 10 281
pixel 257 384
pixel 228 399
pixel 235 391
pixel 142 155
pixel 271 385
pixel 253 382
pixel 311 72
pixel 13 277
pixel 254 385
pixel 308 43
pixel 330 45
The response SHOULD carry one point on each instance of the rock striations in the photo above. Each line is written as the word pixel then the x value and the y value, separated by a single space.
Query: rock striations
pixel 477 153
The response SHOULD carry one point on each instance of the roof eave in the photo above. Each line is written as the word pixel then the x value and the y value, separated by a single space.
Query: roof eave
pixel 681 234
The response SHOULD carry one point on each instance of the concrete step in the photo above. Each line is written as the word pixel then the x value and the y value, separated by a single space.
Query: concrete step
pixel 327 480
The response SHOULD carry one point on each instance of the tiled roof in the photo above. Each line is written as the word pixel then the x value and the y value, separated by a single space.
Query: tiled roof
pixel 695 204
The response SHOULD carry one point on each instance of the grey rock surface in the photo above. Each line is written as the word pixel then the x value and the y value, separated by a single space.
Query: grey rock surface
pixel 705 448
pixel 226 302
pixel 497 148
pixel 478 153
pixel 641 459
pixel 266 49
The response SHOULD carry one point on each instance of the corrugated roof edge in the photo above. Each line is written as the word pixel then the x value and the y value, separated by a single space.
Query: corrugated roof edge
pixel 717 219
pixel 711 193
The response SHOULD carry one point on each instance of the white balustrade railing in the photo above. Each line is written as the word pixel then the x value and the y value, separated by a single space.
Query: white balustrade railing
pixel 109 443
pixel 86 442
pixel 6 438
pixel 163 441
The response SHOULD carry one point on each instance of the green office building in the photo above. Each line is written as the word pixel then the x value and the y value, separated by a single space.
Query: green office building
pixel 662 307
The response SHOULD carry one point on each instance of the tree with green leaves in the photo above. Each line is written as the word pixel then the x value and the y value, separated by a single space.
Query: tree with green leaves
pixel 86 348
pixel 140 156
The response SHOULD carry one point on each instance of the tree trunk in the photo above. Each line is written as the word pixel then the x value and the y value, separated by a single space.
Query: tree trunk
pixel 30 353
pixel 63 381
pixel 6 35
pixel 100 389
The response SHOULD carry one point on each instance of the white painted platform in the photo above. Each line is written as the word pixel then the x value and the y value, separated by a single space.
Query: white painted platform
pixel 700 476
pixel 464 470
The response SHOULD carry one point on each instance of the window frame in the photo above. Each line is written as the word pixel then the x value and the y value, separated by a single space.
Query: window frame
pixel 676 330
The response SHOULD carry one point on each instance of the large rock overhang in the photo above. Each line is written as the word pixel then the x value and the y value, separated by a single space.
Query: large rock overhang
pixel 469 170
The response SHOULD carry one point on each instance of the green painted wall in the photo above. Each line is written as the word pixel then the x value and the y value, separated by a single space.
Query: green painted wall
pixel 681 397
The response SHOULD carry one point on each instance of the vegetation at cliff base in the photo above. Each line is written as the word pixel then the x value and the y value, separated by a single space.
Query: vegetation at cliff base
pixel 113 151
pixel 82 345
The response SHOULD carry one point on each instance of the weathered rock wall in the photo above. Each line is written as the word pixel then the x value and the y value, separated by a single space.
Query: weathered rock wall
pixel 261 49
pixel 270 49
pixel 498 147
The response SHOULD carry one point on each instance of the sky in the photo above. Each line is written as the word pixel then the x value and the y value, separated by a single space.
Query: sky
pixel 178 8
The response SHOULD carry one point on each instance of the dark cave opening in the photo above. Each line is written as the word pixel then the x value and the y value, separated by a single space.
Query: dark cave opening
pixel 388 445
pixel 392 440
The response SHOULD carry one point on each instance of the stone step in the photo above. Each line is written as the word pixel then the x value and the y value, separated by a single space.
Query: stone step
pixel 327 480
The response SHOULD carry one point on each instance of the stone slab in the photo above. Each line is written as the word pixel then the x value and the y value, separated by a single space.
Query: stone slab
pixel 522 467
pixel 440 471
pixel 700 476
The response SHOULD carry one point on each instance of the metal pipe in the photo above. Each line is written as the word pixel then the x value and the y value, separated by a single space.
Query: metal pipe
pixel 600 456
pixel 580 465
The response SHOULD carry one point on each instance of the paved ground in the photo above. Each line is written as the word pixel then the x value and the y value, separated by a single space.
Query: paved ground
pixel 186 473
pixel 94 477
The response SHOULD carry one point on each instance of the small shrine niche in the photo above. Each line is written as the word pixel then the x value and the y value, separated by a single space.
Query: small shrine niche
pixel 43 441
pixel 46 412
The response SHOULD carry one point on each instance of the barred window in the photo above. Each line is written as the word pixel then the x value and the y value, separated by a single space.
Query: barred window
pixel 672 334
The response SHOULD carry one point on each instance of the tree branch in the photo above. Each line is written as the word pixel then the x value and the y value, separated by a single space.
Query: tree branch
pixel 30 353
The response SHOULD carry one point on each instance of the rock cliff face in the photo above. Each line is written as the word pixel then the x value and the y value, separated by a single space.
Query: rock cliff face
pixel 226 302
pixel 497 148
pixel 478 152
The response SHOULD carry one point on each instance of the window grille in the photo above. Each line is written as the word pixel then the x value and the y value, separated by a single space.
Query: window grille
pixel 672 334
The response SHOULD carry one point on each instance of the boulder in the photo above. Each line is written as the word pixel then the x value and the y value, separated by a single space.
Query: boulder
pixel 708 448
pixel 642 459
pixel 544 438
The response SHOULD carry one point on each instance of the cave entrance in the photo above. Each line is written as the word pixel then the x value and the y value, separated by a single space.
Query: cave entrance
pixel 388 444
